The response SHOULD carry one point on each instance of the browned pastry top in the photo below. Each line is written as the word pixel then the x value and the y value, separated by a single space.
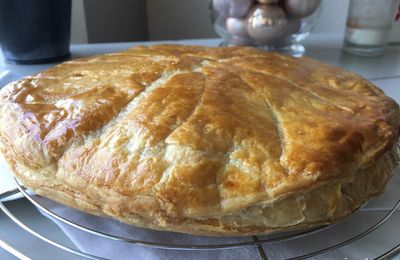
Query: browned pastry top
pixel 187 132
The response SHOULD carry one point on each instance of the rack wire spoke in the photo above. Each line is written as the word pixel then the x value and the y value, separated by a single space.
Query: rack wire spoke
pixel 12 250
pixel 389 254
pixel 45 239
pixel 9 193
pixel 351 240
pixel 260 250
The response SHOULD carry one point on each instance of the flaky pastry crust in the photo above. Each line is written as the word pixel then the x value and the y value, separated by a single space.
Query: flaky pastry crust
pixel 210 141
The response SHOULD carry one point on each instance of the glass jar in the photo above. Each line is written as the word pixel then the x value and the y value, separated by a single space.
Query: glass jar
pixel 272 25
pixel 368 25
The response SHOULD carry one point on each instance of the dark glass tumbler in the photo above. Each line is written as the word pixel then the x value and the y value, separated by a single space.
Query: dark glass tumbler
pixel 35 31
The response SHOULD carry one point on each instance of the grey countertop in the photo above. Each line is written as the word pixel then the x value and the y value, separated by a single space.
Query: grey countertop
pixel 383 71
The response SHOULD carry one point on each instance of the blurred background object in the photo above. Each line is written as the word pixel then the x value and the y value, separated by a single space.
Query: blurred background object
pixel 273 25
pixel 368 26
pixel 96 21
pixel 35 31
pixel 167 20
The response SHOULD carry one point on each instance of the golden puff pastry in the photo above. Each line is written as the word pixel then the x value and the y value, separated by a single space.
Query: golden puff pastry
pixel 209 141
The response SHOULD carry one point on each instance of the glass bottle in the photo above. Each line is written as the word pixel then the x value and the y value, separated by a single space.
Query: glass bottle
pixel 368 25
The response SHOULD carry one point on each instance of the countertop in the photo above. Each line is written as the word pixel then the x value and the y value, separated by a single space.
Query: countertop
pixel 384 71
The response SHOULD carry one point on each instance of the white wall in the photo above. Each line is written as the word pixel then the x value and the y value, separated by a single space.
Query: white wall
pixel 333 16
pixel 179 19
pixel 78 23
pixel 116 20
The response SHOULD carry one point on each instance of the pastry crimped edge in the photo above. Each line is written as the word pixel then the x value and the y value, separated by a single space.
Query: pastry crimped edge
pixel 339 198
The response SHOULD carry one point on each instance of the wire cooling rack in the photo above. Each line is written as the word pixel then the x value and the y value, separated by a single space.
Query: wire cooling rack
pixel 255 241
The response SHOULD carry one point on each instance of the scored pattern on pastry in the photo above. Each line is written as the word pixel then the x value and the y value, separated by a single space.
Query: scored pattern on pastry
pixel 193 132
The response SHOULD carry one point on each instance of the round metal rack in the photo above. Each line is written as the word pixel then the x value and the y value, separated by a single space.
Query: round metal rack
pixel 257 242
